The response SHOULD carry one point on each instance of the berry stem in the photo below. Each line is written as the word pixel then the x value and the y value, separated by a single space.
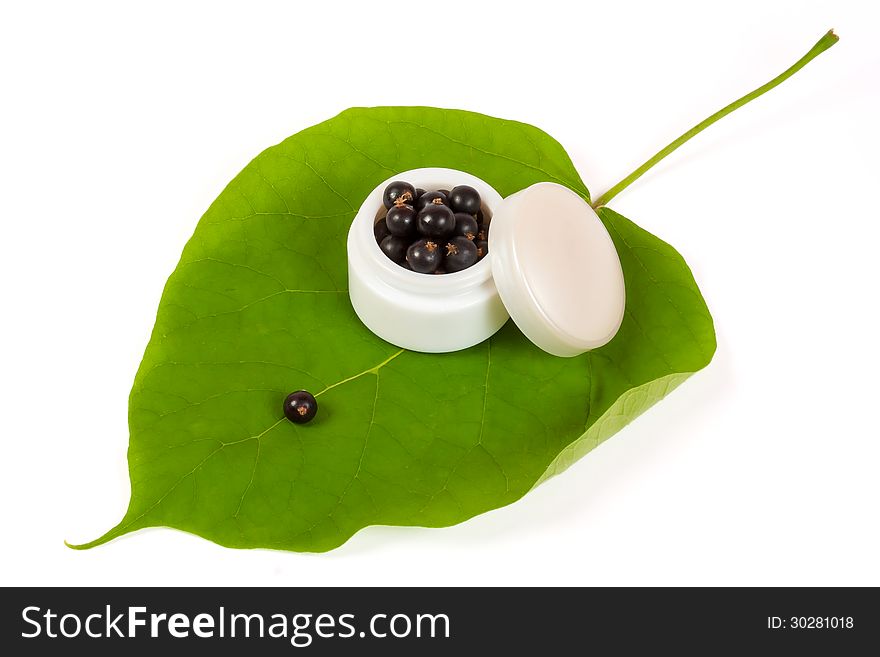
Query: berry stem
pixel 821 46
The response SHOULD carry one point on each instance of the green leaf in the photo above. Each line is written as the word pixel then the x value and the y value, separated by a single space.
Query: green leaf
pixel 258 307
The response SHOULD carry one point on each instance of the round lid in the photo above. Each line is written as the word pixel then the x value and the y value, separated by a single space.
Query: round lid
pixel 556 269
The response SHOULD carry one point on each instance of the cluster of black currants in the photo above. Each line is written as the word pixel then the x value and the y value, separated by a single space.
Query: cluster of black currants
pixel 432 232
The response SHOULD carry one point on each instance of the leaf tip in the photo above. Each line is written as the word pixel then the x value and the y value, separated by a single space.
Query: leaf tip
pixel 117 531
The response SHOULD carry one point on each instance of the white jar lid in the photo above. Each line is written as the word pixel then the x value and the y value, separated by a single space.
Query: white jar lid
pixel 556 269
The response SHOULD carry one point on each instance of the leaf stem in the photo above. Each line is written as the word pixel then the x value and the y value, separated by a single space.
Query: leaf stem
pixel 821 46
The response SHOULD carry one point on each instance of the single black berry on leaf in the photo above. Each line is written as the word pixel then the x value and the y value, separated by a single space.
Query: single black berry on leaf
pixel 401 220
pixel 424 256
pixel 464 198
pixel 482 248
pixel 460 254
pixel 380 231
pixel 466 225
pixel 300 406
pixel 430 197
pixel 436 220
pixel 395 248
pixel 398 190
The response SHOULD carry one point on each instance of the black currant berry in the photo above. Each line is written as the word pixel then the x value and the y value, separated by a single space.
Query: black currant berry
pixel 395 248
pixel 479 217
pixel 445 192
pixel 464 198
pixel 300 406
pixel 482 248
pixel 466 225
pixel 398 190
pixel 380 231
pixel 430 197
pixel 401 220
pixel 483 233
pixel 460 254
pixel 436 220
pixel 424 256
pixel 419 192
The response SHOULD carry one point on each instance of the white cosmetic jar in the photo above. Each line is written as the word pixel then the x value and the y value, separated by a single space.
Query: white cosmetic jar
pixel 431 313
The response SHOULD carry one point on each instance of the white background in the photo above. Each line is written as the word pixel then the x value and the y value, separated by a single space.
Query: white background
pixel 120 124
